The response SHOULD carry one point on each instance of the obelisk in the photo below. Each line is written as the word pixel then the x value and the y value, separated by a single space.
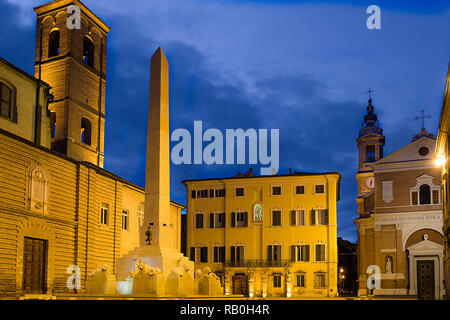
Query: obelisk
pixel 158 245
pixel 157 175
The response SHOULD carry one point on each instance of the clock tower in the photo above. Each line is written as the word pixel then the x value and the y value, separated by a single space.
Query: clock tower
pixel 370 143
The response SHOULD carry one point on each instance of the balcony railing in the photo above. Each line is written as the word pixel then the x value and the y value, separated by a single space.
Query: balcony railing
pixel 257 263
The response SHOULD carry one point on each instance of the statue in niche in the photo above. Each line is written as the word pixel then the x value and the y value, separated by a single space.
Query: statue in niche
pixel 148 234
pixel 388 266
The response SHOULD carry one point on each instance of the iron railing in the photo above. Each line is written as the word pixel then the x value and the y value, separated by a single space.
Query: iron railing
pixel 257 263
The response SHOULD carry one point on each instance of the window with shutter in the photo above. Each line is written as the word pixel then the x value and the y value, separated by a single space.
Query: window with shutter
pixel 276 218
pixel 293 218
pixel 6 101
pixel 204 254
pixel 313 217
pixel 293 253
pixel 320 252
pixel 199 220
pixel 211 220
pixel 301 217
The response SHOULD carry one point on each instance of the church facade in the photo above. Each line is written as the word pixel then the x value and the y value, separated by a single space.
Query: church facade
pixel 60 211
pixel 399 222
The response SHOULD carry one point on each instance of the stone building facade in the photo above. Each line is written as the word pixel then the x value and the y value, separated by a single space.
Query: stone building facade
pixel 60 211
pixel 266 235
pixel 399 220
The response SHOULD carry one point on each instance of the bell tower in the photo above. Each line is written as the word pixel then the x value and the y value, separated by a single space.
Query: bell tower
pixel 71 57
pixel 370 143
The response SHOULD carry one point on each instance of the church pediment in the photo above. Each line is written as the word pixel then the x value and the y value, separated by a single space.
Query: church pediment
pixel 421 149
pixel 425 246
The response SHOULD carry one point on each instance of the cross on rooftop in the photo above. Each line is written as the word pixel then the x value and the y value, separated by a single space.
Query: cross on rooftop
pixel 423 117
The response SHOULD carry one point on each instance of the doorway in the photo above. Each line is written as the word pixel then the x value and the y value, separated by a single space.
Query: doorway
pixel 425 279
pixel 34 265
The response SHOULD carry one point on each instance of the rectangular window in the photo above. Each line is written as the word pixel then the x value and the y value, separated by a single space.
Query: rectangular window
pixel 435 196
pixel 199 220
pixel 202 193
pixel 293 218
pixel 299 189
pixel 299 253
pixel 211 193
pixel 414 198
pixel 301 217
pixel 312 217
pixel 192 254
pixel 297 218
pixel 274 252
pixel 220 193
pixel 277 280
pixel 5 101
pixel 104 213
pixel 125 220
pixel 320 252
pixel 220 220
pixel 276 191
pixel 304 253
pixel 276 218
pixel 194 194
pixel 300 281
pixel 322 217
pixel 204 254
pixel 236 254
pixel 319 280
pixel 239 192
pixel 241 219
pixel 320 188
pixel 219 254
pixel 211 220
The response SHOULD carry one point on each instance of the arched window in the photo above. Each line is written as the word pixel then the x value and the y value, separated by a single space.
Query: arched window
pixel 53 124
pixel 425 194
pixel 88 51
pixel 6 97
pixel 53 44
pixel 85 131
pixel 370 153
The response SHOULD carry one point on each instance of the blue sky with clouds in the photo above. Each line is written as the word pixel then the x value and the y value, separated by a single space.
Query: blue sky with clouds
pixel 301 66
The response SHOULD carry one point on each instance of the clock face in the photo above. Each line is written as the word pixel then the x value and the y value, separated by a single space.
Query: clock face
pixel 370 182
pixel 257 213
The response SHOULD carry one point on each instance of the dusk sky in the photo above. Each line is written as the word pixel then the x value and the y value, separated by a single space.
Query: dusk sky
pixel 303 67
